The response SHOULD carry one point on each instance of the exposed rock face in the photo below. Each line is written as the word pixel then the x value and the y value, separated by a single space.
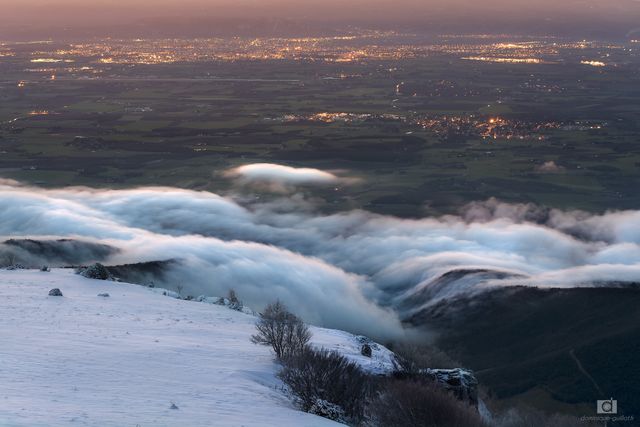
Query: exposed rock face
pixel 55 292
pixel 461 382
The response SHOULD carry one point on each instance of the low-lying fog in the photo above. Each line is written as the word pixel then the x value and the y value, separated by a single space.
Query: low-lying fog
pixel 353 270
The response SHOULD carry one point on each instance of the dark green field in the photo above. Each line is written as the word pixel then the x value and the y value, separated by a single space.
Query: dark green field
pixel 172 124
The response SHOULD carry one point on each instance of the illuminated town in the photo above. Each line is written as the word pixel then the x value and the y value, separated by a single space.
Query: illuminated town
pixel 358 47
pixel 446 126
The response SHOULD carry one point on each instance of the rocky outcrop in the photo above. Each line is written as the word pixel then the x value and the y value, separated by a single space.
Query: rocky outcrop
pixel 461 382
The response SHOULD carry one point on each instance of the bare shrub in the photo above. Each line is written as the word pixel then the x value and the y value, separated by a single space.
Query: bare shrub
pixel 417 403
pixel 319 376
pixel 9 259
pixel 285 332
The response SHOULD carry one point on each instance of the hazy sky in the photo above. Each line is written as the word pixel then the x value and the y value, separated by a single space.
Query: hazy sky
pixel 590 15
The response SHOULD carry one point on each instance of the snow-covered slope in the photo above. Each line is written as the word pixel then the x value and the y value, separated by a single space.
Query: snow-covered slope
pixel 124 360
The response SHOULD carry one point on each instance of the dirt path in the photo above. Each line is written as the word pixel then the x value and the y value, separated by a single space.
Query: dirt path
pixel 572 353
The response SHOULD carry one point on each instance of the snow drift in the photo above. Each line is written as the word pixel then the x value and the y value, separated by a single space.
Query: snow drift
pixel 137 357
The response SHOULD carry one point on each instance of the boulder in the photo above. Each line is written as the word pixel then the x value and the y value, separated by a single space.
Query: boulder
pixel 366 350
pixel 361 339
pixel 55 292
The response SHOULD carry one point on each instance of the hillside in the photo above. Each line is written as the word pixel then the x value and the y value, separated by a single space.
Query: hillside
pixel 557 349
pixel 83 359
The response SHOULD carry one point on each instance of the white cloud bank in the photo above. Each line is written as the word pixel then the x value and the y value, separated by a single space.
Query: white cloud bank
pixel 338 270
pixel 282 174
pixel 281 178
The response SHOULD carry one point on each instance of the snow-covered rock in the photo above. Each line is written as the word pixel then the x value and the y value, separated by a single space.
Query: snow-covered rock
pixel 381 361
pixel 125 360
pixel 461 382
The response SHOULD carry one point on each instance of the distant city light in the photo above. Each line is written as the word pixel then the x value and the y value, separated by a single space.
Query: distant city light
pixel 594 63
pixel 505 60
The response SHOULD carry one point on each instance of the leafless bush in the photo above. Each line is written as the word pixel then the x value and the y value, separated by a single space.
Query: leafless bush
pixel 234 302
pixel 285 332
pixel 9 259
pixel 417 403
pixel 316 376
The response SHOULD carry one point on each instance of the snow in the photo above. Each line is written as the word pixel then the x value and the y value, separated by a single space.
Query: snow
pixel 133 358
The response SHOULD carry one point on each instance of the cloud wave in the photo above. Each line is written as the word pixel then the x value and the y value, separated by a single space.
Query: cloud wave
pixel 353 270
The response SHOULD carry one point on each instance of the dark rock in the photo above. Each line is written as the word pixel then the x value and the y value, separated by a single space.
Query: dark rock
pixel 361 339
pixel 366 350
pixel 55 292
pixel 104 295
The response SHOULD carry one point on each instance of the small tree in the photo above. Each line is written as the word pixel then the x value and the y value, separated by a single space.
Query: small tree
pixel 95 271
pixel 234 302
pixel 10 259
pixel 285 332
